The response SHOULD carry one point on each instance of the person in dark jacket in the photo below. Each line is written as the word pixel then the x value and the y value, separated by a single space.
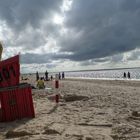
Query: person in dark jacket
pixel 63 75
pixel 128 75
pixel 37 76
pixel 124 75
pixel 46 76
pixel 59 75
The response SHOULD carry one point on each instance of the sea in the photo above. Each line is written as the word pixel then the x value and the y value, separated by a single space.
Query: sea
pixel 106 74
pixel 109 74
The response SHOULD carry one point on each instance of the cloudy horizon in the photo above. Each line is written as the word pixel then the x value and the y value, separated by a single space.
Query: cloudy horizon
pixel 68 35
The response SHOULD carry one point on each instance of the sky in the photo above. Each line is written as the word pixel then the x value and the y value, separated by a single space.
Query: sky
pixel 68 35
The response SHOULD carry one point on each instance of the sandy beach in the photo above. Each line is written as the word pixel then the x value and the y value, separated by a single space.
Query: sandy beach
pixel 88 110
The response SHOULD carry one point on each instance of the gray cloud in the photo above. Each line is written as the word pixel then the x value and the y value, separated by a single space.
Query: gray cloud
pixel 30 58
pixel 19 13
pixel 116 58
pixel 109 28
pixel 24 19
pixel 97 30
pixel 134 55
pixel 102 59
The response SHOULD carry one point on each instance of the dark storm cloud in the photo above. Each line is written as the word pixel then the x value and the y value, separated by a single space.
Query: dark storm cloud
pixel 113 59
pixel 19 13
pixel 97 29
pixel 108 27
pixel 25 20
pixel 30 58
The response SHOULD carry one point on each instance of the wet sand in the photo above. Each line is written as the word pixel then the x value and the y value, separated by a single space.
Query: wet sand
pixel 88 110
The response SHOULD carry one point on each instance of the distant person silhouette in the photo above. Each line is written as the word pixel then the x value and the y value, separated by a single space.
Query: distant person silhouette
pixel 37 76
pixel 63 75
pixel 128 75
pixel 124 75
pixel 59 75
pixel 46 76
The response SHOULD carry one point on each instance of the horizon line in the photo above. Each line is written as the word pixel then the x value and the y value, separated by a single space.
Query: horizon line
pixel 87 70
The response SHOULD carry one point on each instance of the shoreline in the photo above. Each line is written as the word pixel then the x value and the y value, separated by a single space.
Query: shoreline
pixel 119 79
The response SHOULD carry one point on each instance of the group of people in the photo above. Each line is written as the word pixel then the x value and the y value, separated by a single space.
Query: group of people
pixel 61 77
pixel 40 80
pixel 126 75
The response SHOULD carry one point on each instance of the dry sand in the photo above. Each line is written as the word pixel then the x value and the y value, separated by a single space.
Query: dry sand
pixel 88 110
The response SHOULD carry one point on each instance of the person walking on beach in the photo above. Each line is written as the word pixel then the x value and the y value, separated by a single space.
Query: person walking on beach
pixel 128 75
pixel 46 75
pixel 59 75
pixel 124 75
pixel 37 76
pixel 63 75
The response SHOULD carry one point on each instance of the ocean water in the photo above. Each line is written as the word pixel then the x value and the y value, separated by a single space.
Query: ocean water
pixel 99 74
pixel 105 74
